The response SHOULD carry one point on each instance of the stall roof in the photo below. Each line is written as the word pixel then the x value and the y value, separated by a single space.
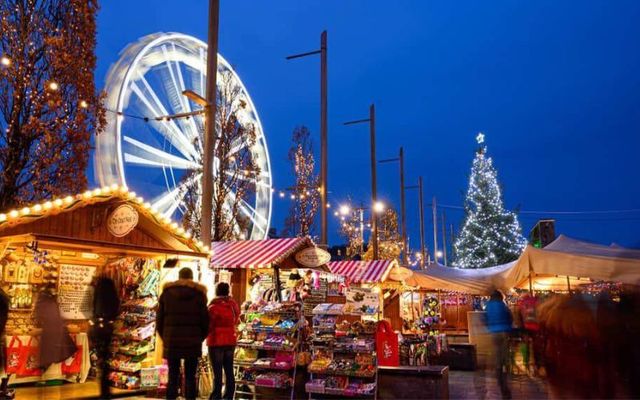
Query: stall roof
pixel 363 271
pixel 52 221
pixel 563 257
pixel 255 253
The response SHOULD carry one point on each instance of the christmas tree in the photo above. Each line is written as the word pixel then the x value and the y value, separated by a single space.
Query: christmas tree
pixel 490 235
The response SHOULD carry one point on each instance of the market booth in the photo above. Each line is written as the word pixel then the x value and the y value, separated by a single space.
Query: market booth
pixel 564 265
pixel 59 246
pixel 412 370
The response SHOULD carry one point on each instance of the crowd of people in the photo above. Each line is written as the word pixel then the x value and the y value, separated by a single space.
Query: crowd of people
pixel 183 321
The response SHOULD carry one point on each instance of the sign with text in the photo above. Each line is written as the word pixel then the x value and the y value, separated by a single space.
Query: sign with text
pixel 75 293
pixel 313 257
pixel 122 220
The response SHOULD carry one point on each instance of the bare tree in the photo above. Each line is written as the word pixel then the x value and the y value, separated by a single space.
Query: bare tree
pixel 306 198
pixel 49 105
pixel 236 170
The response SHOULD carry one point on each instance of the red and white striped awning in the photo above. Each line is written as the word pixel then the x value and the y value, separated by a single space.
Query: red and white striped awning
pixel 255 253
pixel 363 271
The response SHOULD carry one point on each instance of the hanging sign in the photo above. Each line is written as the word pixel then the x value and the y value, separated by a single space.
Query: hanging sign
pixel 122 220
pixel 362 301
pixel 75 294
pixel 313 257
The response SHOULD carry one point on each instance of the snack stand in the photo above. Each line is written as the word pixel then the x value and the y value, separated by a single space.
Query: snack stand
pixel 63 244
pixel 271 332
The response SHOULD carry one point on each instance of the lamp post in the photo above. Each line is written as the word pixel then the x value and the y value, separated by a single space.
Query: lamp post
pixel 421 217
pixel 323 132
pixel 374 191
pixel 210 123
pixel 403 214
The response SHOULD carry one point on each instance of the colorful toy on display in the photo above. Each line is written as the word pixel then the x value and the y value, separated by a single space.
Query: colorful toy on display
pixel 430 318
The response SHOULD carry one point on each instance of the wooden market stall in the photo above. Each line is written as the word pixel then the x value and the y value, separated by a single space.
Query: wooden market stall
pixel 61 244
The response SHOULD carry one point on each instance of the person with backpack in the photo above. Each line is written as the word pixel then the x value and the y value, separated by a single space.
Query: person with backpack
pixel 224 316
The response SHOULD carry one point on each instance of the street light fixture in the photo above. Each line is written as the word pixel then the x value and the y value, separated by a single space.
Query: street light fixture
pixel 6 61
pixel 345 209
pixel 378 207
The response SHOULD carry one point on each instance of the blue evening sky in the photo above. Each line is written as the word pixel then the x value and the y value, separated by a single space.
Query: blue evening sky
pixel 554 85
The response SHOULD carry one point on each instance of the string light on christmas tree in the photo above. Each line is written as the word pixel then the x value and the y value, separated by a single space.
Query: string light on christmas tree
pixel 490 235
pixel 6 61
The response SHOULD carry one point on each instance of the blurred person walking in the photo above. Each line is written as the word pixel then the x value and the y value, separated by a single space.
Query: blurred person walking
pixel 182 323
pixel 499 324
pixel 56 344
pixel 224 316
pixel 106 306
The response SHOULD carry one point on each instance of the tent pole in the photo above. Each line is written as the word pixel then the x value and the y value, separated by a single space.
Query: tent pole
pixel 530 284
pixel 568 284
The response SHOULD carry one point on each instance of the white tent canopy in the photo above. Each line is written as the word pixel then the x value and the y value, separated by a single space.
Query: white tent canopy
pixel 564 257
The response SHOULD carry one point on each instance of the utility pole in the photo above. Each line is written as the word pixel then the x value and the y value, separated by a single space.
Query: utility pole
pixel 452 240
pixel 403 210
pixel 422 246
pixel 403 213
pixel 210 123
pixel 324 145
pixel 374 191
pixel 423 254
pixel 444 238
pixel 435 229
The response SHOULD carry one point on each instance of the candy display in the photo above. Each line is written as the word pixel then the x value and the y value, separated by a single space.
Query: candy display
pixel 134 330
pixel 268 345
pixel 344 361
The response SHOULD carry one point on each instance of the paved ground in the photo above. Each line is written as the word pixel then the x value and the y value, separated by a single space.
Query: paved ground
pixel 462 386
pixel 484 386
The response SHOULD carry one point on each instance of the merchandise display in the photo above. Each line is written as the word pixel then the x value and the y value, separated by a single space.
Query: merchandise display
pixel 134 330
pixel 420 350
pixel 268 346
pixel 344 360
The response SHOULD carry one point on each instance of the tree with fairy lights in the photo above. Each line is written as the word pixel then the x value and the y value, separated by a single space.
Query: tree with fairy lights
pixel 490 234
pixel 49 106
pixel 389 240
pixel 232 188
pixel 305 194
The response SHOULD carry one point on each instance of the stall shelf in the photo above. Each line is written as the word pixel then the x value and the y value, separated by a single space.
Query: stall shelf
pixel 267 352
pixel 344 362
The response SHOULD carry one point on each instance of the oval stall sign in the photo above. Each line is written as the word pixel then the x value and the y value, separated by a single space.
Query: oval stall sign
pixel 122 220
pixel 313 257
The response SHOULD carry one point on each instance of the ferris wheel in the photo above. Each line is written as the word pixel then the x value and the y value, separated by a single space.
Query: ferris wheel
pixel 161 158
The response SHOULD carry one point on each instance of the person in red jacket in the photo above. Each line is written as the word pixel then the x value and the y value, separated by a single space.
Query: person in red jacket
pixel 224 316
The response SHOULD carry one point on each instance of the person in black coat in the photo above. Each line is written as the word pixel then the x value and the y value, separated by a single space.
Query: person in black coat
pixel 183 324
pixel 106 306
